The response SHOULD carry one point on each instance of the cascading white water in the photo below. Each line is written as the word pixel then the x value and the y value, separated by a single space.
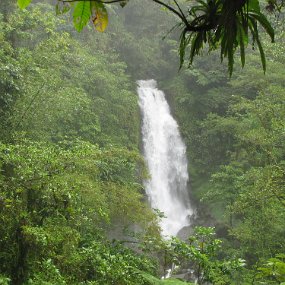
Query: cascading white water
pixel 165 155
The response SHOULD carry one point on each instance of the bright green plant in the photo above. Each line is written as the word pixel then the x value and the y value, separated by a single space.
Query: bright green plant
pixel 273 271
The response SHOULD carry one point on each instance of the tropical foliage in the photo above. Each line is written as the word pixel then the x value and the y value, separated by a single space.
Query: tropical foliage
pixel 226 25
pixel 234 130
pixel 72 204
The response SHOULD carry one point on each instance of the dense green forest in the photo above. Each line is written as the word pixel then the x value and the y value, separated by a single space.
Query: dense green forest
pixel 72 204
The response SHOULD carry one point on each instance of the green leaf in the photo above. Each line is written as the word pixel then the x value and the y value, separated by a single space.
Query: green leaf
pixel 182 47
pixel 254 30
pixel 241 44
pixel 230 60
pixel 253 5
pixel 196 46
pixel 262 54
pixel 81 15
pixel 264 23
pixel 23 3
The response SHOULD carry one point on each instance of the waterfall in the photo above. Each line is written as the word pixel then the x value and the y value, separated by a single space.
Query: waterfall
pixel 165 155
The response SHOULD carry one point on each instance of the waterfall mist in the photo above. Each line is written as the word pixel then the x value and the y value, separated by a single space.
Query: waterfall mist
pixel 165 155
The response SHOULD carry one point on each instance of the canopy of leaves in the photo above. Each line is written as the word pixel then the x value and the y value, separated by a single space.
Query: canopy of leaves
pixel 225 25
